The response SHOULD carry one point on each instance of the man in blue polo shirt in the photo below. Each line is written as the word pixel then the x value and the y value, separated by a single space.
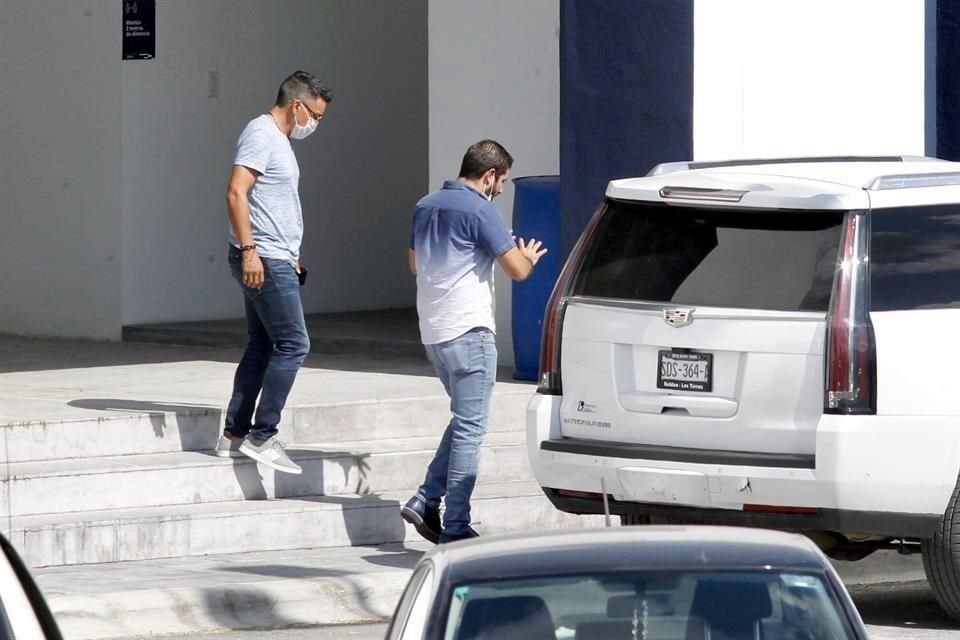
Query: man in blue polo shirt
pixel 456 236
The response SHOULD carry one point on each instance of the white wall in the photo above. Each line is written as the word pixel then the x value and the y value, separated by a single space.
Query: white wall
pixel 113 172
pixel 808 77
pixel 495 73
pixel 359 173
pixel 60 168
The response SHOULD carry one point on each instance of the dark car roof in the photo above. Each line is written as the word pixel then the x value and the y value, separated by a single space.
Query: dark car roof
pixel 635 548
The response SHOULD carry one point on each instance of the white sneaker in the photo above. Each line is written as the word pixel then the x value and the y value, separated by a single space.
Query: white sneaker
pixel 270 453
pixel 228 447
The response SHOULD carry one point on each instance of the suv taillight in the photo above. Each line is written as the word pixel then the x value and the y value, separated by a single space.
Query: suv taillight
pixel 851 379
pixel 553 317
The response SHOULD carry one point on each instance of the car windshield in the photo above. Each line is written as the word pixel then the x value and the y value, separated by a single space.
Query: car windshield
pixel 744 258
pixel 674 605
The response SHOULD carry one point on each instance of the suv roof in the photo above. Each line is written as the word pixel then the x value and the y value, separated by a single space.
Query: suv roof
pixel 791 183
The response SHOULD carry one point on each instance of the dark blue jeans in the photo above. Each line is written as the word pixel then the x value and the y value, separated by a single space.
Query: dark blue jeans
pixel 277 343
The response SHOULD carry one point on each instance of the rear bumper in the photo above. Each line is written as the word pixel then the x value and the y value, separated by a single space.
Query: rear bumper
pixel 897 525
pixel 679 454
pixel 869 475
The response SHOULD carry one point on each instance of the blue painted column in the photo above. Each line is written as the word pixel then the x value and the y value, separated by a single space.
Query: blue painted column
pixel 626 97
pixel 948 79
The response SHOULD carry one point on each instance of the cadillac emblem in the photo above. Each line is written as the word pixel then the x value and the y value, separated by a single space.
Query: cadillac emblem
pixel 678 317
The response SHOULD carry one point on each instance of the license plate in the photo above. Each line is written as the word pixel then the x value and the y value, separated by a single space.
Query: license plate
pixel 685 371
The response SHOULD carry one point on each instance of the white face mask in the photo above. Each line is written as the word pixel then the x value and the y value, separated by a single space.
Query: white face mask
pixel 489 194
pixel 302 131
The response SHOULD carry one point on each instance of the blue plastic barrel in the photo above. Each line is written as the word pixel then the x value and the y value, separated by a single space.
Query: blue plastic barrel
pixel 536 214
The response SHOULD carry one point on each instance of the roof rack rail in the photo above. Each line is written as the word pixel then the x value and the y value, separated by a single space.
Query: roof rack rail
pixel 672 167
pixel 914 180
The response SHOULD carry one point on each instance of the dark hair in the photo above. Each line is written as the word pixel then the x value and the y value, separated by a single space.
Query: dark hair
pixel 301 85
pixel 483 156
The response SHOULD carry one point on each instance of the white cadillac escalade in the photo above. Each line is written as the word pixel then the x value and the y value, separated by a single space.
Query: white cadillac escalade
pixel 770 343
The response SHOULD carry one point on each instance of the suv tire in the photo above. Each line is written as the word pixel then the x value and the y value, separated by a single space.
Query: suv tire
pixel 941 558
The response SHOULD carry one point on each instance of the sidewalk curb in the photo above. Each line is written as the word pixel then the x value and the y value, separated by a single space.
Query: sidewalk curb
pixel 368 598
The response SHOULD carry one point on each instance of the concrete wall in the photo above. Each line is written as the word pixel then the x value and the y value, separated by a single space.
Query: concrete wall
pixel 494 73
pixel 809 77
pixel 60 167
pixel 113 172
pixel 359 172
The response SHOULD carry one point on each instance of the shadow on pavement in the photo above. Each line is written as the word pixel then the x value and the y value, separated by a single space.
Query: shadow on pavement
pixel 401 558
pixel 357 586
pixel 21 354
pixel 142 406
pixel 286 571
pixel 909 605
pixel 243 607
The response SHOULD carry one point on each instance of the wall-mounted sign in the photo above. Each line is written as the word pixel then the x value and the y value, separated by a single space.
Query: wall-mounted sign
pixel 139 34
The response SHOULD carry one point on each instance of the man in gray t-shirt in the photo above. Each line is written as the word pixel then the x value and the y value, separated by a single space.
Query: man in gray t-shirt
pixel 266 227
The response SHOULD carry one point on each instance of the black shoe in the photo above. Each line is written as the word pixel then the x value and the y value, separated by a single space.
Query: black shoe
pixel 424 519
pixel 466 534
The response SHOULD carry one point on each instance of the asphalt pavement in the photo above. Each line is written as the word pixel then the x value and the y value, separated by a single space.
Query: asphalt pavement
pixel 902 611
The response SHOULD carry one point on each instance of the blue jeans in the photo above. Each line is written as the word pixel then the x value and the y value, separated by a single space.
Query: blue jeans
pixel 277 343
pixel 467 367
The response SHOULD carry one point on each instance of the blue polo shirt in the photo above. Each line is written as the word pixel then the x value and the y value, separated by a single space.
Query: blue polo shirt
pixel 457 234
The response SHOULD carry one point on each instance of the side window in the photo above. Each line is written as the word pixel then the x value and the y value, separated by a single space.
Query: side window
pixel 402 614
pixel 915 258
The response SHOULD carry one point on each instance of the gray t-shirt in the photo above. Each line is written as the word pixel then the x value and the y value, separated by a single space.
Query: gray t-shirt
pixel 275 215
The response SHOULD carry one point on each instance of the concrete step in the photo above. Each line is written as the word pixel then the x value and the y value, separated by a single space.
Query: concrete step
pixel 185 429
pixel 130 482
pixel 254 526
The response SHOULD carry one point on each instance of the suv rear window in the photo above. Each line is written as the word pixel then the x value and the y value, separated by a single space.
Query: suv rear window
pixel 741 258
pixel 915 258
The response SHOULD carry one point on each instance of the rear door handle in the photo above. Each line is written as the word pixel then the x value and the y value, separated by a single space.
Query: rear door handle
pixel 700 407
